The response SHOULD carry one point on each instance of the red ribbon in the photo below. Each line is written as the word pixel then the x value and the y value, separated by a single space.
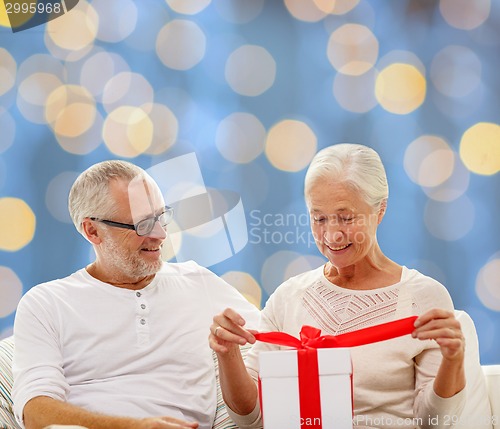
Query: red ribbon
pixel 311 340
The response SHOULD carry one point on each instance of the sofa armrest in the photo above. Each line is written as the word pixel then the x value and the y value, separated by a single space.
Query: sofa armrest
pixel 492 375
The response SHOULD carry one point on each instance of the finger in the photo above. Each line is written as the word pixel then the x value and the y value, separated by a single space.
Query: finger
pixel 235 317
pixel 451 343
pixel 435 313
pixel 437 327
pixel 231 328
pixel 435 324
pixel 434 334
pixel 234 334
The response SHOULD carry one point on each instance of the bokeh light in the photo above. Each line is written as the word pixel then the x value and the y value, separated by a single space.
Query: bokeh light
pixel 41 63
pixel 290 145
pixel 487 286
pixel 127 89
pixel 303 263
pixel 465 14
pixel 188 7
pixel 33 93
pixel 128 131
pixel 452 188
pixel 17 224
pixel 429 161
pixel 121 22
pixel 352 49
pixel 305 10
pixel 240 137
pixel 98 69
pixel 12 291
pixel 86 142
pixel 480 148
pixel 400 88
pixel 72 35
pixel 456 71
pixel 4 18
pixel 70 110
pixel 250 70
pixel 239 11
pixel 8 68
pixel 246 285
pixel 336 7
pixel 180 44
pixel 274 268
pixel 56 197
pixel 401 56
pixel 449 221
pixel 356 93
pixel 165 128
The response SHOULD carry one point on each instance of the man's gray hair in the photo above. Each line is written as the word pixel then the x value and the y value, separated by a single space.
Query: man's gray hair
pixel 355 165
pixel 90 197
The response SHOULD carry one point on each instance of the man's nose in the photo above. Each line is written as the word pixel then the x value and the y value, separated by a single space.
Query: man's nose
pixel 158 231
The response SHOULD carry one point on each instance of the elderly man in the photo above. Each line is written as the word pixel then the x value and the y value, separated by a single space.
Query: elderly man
pixel 121 343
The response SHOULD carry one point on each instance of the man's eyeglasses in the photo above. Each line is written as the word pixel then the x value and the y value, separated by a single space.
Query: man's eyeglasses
pixel 144 226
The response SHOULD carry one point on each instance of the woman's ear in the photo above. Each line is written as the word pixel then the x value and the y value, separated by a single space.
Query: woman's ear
pixel 90 232
pixel 381 210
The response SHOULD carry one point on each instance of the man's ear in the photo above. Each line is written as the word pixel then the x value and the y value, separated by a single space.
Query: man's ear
pixel 90 232
pixel 381 210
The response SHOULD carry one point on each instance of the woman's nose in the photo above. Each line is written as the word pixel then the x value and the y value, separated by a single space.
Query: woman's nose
pixel 333 235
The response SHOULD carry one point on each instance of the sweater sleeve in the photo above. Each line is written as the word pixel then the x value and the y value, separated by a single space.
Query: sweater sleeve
pixel 429 408
pixel 268 322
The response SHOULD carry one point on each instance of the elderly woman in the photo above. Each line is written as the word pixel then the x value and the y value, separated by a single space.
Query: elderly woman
pixel 410 378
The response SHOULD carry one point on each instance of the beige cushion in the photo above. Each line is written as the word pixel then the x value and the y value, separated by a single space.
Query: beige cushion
pixel 7 420
pixel 477 411
pixel 492 373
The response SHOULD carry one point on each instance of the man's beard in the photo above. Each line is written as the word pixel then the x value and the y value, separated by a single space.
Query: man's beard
pixel 128 263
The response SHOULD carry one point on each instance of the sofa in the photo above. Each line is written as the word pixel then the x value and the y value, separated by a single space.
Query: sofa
pixel 483 385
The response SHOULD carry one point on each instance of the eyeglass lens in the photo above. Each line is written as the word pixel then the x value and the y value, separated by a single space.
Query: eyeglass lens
pixel 145 226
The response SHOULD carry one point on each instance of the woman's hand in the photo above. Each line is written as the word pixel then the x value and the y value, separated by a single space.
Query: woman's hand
pixel 440 325
pixel 227 332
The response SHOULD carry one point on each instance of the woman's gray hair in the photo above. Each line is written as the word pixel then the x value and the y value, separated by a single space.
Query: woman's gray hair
pixel 90 197
pixel 355 165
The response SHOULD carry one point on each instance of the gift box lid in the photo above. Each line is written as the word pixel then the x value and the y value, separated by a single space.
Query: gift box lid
pixel 283 363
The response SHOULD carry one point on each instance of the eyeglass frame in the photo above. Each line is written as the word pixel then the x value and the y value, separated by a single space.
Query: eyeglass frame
pixel 156 218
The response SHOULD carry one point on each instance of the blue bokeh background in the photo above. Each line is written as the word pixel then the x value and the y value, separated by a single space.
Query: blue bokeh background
pixel 455 240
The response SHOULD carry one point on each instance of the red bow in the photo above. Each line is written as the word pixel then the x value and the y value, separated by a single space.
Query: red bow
pixel 311 340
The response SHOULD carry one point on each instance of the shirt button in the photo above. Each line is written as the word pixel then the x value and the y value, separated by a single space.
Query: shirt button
pixel 138 294
pixel 143 321
pixel 143 306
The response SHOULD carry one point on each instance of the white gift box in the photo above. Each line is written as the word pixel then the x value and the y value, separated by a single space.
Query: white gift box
pixel 280 390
